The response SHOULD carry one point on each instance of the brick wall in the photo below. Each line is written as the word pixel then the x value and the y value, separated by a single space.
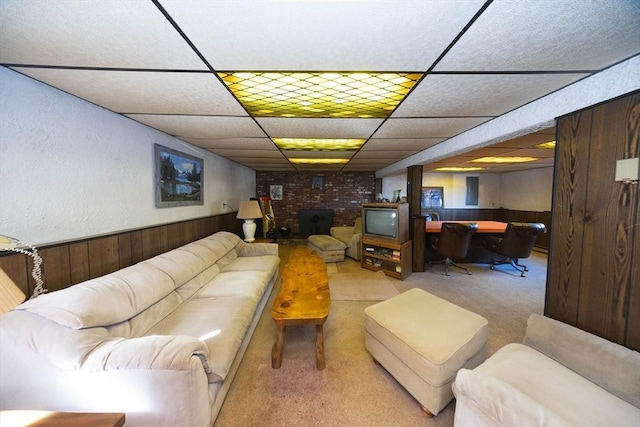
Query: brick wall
pixel 342 192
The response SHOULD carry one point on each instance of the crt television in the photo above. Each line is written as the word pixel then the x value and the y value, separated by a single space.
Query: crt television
pixel 386 221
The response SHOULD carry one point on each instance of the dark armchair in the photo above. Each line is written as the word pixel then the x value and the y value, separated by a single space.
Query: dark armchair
pixel 517 243
pixel 453 243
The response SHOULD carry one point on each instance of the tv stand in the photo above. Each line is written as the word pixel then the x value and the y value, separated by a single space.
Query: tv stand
pixel 391 258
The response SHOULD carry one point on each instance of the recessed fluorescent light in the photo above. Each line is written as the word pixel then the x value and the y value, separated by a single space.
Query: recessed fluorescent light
pixel 299 161
pixel 319 94
pixel 318 144
pixel 512 159
pixel 546 145
pixel 459 169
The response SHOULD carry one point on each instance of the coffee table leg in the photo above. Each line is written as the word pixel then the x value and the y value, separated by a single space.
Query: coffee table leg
pixel 320 347
pixel 276 352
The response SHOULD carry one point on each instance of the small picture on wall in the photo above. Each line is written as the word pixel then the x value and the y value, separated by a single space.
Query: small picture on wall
pixel 317 183
pixel 177 178
pixel 276 192
pixel 432 197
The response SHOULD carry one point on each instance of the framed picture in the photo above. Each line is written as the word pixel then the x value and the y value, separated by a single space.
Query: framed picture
pixel 276 192
pixel 317 182
pixel 177 178
pixel 432 197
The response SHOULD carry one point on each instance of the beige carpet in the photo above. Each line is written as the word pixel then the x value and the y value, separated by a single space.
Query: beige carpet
pixel 352 390
pixel 365 286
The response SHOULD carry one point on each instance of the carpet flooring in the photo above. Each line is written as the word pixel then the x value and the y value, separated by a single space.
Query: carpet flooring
pixel 352 390
pixel 365 286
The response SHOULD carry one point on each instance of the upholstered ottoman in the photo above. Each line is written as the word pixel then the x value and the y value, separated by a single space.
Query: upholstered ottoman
pixel 422 341
pixel 329 249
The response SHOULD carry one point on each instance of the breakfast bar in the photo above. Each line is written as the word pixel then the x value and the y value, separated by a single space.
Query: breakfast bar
pixel 476 253
pixel 495 227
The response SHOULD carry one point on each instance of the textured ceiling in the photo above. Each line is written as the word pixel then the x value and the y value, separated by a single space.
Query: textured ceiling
pixel 155 62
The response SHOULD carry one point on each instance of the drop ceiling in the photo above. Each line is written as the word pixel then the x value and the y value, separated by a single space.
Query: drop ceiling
pixel 157 62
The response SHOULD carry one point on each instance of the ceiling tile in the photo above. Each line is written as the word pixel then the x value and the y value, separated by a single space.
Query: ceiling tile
pixel 91 34
pixel 316 35
pixel 478 95
pixel 201 126
pixel 521 35
pixel 392 156
pixel 417 144
pixel 426 127
pixel 144 92
pixel 234 143
pixel 227 152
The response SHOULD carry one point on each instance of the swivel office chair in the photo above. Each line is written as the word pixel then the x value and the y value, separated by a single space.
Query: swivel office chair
pixel 518 241
pixel 453 243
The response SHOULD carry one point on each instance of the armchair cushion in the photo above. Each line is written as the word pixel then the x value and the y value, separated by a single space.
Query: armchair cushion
pixel 350 236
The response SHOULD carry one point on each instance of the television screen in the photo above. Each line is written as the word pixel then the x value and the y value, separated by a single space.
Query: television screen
pixel 381 222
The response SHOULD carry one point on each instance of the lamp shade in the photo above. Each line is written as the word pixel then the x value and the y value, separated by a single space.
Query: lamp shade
pixel 10 294
pixel 249 209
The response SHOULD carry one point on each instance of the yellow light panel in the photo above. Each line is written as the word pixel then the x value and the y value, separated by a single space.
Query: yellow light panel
pixel 546 145
pixel 319 94
pixel 513 159
pixel 301 161
pixel 318 144
pixel 459 169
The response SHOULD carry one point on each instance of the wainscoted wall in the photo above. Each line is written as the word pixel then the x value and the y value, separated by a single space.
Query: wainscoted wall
pixel 342 192
pixel 593 279
pixel 69 263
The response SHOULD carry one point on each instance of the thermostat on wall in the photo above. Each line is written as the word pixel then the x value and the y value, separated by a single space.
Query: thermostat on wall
pixel 627 170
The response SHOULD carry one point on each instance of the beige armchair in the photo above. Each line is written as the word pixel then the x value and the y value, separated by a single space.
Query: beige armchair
pixel 350 236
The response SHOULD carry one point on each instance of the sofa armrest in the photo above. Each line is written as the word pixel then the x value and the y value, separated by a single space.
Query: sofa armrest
pixel 484 400
pixel 162 352
pixel 611 366
pixel 258 249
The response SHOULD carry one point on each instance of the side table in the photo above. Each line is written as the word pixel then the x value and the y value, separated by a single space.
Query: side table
pixel 61 419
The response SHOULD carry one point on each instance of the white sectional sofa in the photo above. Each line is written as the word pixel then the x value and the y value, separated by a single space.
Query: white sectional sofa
pixel 559 376
pixel 160 340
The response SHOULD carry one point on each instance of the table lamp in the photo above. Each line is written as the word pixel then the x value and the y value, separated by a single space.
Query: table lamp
pixel 9 244
pixel 249 211
pixel 10 294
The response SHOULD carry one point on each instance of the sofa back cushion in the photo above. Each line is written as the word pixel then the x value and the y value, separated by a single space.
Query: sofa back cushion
pixel 105 300
pixel 132 300
pixel 611 366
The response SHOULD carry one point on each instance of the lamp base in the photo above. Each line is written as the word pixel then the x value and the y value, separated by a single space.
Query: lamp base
pixel 249 229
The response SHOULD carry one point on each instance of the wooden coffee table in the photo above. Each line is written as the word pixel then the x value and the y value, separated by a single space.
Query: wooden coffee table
pixel 303 300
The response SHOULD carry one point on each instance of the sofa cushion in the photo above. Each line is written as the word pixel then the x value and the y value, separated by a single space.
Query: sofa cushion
pixel 572 397
pixel 484 400
pixel 105 300
pixel 236 283
pixel 180 264
pixel 265 263
pixel 139 324
pixel 221 323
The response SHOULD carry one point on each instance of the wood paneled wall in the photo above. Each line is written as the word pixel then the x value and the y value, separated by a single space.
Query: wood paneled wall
pixel 594 259
pixel 69 263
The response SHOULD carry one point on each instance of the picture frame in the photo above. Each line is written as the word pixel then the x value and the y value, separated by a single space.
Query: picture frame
pixel 178 178
pixel 317 183
pixel 276 192
pixel 432 197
